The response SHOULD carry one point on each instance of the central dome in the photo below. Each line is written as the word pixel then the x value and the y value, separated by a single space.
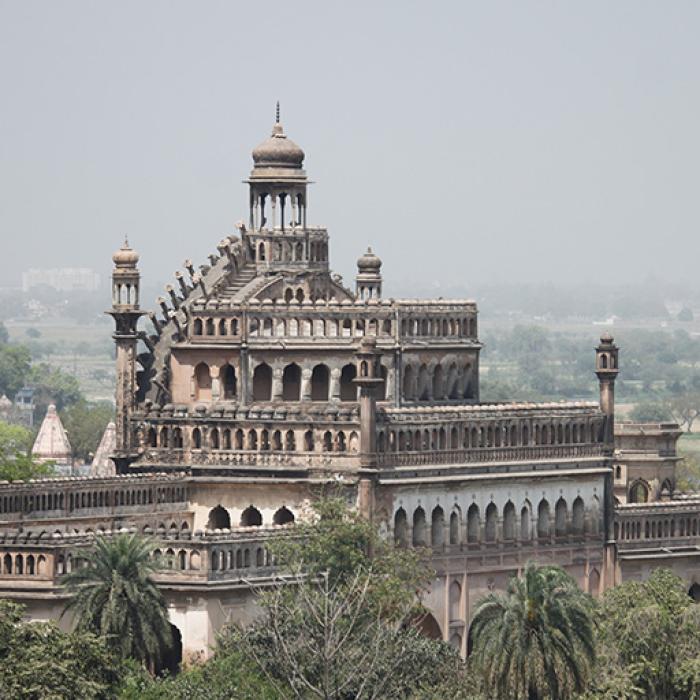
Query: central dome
pixel 278 151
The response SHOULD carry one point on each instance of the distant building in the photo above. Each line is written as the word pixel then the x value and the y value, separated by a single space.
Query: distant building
pixel 51 444
pixel 62 279
pixel 24 407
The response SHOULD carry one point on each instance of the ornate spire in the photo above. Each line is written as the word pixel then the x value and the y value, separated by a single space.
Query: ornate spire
pixel 277 113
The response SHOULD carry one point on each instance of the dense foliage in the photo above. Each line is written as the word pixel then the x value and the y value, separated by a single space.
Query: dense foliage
pixel 533 362
pixel 38 661
pixel 113 595
pixel 648 641
pixel 85 423
pixel 536 640
pixel 16 462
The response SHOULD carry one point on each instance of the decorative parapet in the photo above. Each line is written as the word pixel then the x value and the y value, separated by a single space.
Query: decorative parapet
pixel 191 558
pixel 659 524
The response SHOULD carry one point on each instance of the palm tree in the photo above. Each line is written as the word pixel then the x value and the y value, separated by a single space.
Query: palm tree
pixel 113 595
pixel 537 640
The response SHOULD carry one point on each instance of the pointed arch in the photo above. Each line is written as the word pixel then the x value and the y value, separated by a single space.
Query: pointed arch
pixel 437 527
pixel 419 528
pixel 400 528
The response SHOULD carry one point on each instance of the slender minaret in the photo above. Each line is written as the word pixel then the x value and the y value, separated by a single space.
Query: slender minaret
pixel 125 312
pixel 606 369
pixel 368 378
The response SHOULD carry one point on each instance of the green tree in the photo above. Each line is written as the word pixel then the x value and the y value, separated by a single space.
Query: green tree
pixel 649 636
pixel 15 365
pixel 314 637
pixel 16 461
pixel 38 661
pixel 55 386
pixel 228 674
pixel 113 595
pixel 536 640
pixel 85 423
pixel 338 542
pixel 649 411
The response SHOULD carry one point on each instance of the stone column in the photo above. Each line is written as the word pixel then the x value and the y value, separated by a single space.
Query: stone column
pixel 335 384
pixel 306 384
pixel 277 384
pixel 215 384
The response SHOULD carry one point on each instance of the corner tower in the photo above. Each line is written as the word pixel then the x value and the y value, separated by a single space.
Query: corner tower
pixel 606 369
pixel 125 311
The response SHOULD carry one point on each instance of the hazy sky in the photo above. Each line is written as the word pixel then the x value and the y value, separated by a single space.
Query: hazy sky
pixel 466 142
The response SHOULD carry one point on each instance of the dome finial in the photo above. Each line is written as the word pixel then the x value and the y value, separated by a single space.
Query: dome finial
pixel 277 113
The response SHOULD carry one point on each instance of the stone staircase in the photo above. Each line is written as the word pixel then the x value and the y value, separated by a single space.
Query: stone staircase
pixel 245 275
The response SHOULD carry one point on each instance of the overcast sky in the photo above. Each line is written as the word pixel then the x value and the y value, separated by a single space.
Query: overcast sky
pixel 466 142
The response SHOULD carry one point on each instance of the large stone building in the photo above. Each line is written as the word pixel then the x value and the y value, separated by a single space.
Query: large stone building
pixel 263 378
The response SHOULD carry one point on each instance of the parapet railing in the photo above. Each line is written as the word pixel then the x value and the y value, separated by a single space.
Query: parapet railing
pixel 218 555
pixel 665 523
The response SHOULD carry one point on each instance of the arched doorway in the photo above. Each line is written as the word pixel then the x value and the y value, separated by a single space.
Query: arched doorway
pixel 173 656
pixel 219 519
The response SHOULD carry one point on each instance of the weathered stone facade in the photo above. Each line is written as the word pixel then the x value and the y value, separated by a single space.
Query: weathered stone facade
pixel 263 378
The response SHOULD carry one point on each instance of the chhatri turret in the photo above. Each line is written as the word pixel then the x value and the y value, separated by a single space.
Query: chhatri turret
pixel 279 237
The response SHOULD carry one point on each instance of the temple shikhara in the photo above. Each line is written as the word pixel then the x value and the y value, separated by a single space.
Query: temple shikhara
pixel 261 377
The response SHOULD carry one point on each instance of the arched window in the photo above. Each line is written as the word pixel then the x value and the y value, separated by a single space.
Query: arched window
pixel 437 529
pixel 491 527
pixel 578 516
pixel 473 524
pixel 251 517
pixel 202 382
pixel 152 438
pixel 262 382
pixel 228 377
pixel 438 384
pixel 455 601
pixel 177 438
pixel 210 326
pixel 218 519
pixel 309 441
pixel 214 439
pixel 320 383
pixel 560 518
pixel 197 439
pixel 348 389
pixel 509 521
pixel 639 493
pixel 290 442
pixel 226 439
pixel 408 382
pixel 400 528
pixel 291 382
pixel 197 327
pixel 419 528
pixel 283 516
pixel 543 519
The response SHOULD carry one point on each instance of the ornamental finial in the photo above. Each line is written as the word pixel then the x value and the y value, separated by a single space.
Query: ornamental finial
pixel 277 114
